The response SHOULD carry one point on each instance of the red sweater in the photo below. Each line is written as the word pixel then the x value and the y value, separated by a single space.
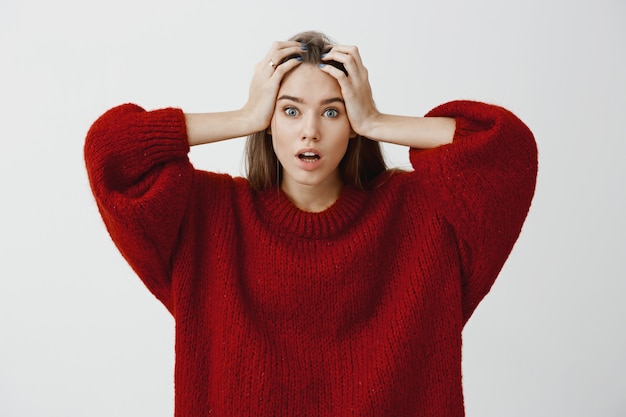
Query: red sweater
pixel 355 311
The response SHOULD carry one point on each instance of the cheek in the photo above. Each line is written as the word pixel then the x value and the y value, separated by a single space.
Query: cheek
pixel 344 148
pixel 277 127
pixel 282 134
pixel 343 139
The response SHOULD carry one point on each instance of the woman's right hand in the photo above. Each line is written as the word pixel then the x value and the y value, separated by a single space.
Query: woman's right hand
pixel 256 114
pixel 268 74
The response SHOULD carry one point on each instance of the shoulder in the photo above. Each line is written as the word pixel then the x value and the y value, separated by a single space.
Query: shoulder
pixel 397 180
pixel 221 191
pixel 406 188
pixel 216 183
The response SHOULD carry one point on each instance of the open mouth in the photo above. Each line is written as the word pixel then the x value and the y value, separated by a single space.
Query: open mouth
pixel 309 156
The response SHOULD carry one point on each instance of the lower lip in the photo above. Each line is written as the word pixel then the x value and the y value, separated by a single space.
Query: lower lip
pixel 309 166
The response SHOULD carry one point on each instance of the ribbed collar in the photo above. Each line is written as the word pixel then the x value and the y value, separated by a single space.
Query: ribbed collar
pixel 279 213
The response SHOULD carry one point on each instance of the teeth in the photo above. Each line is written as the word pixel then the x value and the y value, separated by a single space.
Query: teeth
pixel 309 156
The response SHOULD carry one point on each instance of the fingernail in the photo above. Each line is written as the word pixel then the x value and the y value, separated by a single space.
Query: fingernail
pixel 303 46
pixel 322 65
pixel 324 55
pixel 298 58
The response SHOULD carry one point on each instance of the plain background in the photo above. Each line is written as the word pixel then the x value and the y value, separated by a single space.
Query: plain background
pixel 81 336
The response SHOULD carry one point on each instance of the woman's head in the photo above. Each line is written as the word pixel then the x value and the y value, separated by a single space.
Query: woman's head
pixel 310 115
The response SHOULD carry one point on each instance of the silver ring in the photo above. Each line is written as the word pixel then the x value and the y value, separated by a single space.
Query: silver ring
pixel 272 64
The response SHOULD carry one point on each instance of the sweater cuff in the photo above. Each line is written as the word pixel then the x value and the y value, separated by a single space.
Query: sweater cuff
pixel 471 116
pixel 126 142
pixel 164 134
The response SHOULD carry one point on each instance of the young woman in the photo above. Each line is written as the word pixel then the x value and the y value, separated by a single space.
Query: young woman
pixel 323 284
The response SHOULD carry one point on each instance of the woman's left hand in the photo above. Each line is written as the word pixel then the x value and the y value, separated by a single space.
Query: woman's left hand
pixel 367 121
pixel 355 87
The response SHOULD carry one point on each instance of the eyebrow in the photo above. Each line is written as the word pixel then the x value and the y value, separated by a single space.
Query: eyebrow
pixel 299 100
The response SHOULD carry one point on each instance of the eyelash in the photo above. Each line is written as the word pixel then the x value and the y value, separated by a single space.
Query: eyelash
pixel 332 110
pixel 290 109
pixel 287 110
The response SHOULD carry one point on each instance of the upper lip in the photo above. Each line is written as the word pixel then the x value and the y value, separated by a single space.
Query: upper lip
pixel 311 150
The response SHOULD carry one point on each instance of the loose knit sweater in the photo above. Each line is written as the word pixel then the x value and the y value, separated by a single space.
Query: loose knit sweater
pixel 354 311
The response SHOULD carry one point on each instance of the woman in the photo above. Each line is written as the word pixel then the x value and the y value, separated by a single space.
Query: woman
pixel 323 284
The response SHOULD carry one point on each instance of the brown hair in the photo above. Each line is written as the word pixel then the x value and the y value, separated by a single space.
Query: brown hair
pixel 361 164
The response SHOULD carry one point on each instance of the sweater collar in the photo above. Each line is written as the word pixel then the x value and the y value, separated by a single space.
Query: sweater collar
pixel 279 213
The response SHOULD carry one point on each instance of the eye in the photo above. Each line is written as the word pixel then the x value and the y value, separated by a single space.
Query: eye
pixel 291 111
pixel 331 113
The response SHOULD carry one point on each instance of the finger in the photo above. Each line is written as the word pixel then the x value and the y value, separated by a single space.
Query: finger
pixel 282 50
pixel 285 56
pixel 278 45
pixel 340 51
pixel 353 68
pixel 336 73
pixel 285 67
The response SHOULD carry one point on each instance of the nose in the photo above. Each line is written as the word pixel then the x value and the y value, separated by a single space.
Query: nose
pixel 310 128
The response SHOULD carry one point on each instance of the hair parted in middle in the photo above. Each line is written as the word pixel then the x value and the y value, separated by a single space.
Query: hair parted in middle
pixel 363 161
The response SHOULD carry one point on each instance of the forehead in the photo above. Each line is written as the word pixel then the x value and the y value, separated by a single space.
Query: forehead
pixel 308 81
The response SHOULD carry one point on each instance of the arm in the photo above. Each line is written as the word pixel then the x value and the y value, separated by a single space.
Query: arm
pixel 414 132
pixel 256 114
pixel 367 121
pixel 480 161
pixel 141 176
pixel 141 179
pixel 484 182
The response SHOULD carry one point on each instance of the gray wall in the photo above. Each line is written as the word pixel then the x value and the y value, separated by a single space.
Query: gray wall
pixel 81 336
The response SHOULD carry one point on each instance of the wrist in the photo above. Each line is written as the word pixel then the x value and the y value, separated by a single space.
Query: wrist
pixel 250 120
pixel 213 127
pixel 376 127
pixel 369 126
pixel 415 132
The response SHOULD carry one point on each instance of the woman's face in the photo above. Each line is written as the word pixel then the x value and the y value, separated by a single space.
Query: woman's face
pixel 310 128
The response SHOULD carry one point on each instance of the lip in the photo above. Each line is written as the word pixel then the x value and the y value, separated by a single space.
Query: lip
pixel 303 150
pixel 308 166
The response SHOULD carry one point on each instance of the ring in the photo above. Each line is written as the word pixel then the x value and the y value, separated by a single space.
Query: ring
pixel 272 64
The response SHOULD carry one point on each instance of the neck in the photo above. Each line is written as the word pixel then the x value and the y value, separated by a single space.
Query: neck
pixel 313 198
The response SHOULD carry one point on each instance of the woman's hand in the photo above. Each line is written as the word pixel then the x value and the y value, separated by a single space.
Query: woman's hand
pixel 268 74
pixel 355 87
pixel 257 113
pixel 367 121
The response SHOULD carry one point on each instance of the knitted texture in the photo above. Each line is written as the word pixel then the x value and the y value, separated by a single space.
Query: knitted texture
pixel 354 311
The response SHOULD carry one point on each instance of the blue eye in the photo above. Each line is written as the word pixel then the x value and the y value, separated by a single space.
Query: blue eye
pixel 331 113
pixel 291 111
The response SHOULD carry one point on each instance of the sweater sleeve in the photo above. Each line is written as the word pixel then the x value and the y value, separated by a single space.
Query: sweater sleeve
pixel 485 181
pixel 141 178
